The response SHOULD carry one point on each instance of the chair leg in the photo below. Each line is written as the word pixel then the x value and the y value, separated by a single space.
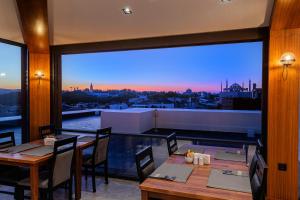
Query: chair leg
pixel 106 172
pixel 50 192
pixel 86 173
pixel 70 188
pixel 44 194
pixel 94 178
pixel 20 193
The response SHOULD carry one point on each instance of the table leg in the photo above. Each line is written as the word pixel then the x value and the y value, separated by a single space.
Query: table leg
pixel 78 174
pixel 34 182
pixel 144 195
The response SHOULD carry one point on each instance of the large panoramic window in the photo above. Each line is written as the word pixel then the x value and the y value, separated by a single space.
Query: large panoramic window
pixel 223 76
pixel 10 89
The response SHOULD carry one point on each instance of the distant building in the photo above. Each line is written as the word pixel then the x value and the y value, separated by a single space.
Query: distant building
pixel 188 92
pixel 91 88
pixel 239 96
pixel 119 106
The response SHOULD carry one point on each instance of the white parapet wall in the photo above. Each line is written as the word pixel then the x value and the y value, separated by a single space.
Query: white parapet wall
pixel 239 121
pixel 132 120
pixel 139 120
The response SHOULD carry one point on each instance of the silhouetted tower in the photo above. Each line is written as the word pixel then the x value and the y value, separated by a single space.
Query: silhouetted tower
pixel 250 85
pixel 226 84
pixel 221 86
pixel 91 87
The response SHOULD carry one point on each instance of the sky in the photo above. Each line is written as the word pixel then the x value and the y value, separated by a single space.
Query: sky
pixel 10 66
pixel 200 68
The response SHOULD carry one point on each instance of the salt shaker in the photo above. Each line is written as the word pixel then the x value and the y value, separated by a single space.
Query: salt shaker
pixel 201 161
pixel 196 159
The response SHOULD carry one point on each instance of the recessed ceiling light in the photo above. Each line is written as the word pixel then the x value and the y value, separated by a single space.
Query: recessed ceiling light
pixel 127 11
pixel 225 1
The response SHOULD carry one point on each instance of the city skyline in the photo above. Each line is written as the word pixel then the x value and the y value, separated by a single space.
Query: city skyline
pixel 200 68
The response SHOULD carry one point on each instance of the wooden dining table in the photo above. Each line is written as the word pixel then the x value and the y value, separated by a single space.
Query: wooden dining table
pixel 196 185
pixel 35 162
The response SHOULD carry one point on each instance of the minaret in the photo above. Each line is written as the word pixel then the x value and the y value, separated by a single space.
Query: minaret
pixel 250 85
pixel 226 84
pixel 91 87
pixel 221 86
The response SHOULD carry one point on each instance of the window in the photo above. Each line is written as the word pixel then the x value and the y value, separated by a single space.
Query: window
pixel 10 90
pixel 205 90
pixel 224 76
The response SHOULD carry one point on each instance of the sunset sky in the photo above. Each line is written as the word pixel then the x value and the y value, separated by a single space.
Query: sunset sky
pixel 201 68
pixel 10 65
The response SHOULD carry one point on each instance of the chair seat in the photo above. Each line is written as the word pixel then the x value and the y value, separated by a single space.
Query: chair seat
pixel 43 181
pixel 10 175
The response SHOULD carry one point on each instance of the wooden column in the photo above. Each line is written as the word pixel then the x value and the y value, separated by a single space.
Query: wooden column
pixel 39 92
pixel 33 20
pixel 283 102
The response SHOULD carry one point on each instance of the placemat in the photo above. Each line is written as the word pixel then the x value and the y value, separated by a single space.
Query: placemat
pixel 172 172
pixel 229 180
pixel 20 148
pixel 231 156
pixel 184 148
pixel 65 136
pixel 86 139
pixel 39 151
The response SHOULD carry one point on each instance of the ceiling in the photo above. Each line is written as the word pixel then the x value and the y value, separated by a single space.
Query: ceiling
pixel 9 23
pixel 80 21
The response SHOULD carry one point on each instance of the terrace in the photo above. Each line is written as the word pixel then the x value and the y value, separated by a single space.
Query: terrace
pixel 131 100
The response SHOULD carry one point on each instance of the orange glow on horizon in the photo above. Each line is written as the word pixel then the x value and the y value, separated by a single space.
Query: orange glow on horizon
pixel 140 88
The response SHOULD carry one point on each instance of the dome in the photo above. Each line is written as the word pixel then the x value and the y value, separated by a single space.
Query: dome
pixel 235 88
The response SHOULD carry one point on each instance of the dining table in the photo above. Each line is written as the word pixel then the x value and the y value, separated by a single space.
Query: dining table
pixel 196 186
pixel 33 163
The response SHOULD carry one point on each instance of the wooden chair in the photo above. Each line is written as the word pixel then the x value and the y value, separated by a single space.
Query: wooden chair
pixel 60 172
pixel 10 175
pixel 8 140
pixel 258 181
pixel 99 156
pixel 172 143
pixel 144 163
pixel 46 130
pixel 260 146
pixel 252 167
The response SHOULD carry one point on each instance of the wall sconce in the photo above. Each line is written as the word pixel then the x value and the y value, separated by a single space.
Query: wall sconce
pixel 287 59
pixel 39 75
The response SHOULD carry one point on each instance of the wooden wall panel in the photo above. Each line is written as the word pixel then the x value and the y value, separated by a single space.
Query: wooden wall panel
pixel 33 19
pixel 39 96
pixel 286 15
pixel 283 115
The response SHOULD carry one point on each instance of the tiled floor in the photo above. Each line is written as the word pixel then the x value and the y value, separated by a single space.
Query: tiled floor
pixel 117 189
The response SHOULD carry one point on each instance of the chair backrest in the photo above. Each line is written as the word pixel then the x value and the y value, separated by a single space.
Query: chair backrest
pixel 62 163
pixel 105 131
pixel 100 151
pixel 172 143
pixel 144 163
pixel 46 130
pixel 258 181
pixel 250 152
pixel 7 140
pixel 252 167
pixel 260 146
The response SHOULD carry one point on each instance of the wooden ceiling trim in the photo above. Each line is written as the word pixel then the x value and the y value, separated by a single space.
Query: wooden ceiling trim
pixel 33 18
pixel 286 15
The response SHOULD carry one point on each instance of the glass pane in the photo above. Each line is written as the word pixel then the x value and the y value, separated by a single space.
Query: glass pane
pixel 212 92
pixel 10 90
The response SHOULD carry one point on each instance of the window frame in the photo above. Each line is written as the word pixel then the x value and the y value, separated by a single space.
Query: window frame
pixel 24 88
